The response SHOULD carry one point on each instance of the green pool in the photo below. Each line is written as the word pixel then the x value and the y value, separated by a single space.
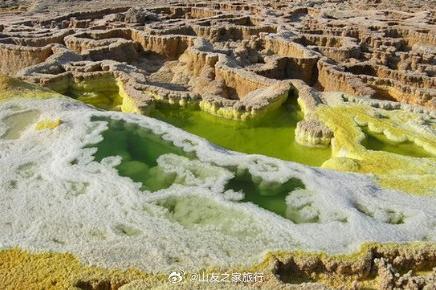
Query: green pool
pixel 272 135
pixel 379 142
pixel 139 150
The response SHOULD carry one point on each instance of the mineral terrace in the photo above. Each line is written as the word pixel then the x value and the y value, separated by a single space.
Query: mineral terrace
pixel 99 189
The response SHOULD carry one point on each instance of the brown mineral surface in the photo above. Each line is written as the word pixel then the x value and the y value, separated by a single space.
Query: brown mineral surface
pixel 361 72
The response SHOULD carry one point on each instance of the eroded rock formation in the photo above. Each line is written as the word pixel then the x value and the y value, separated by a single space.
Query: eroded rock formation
pixel 227 58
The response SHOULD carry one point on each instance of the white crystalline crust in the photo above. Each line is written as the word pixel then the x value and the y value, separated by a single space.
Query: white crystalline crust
pixel 53 196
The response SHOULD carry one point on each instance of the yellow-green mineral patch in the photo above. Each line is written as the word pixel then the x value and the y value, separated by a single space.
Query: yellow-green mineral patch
pixel 14 88
pixel 47 124
pixel 103 92
pixel 127 104
pixel 393 168
pixel 23 270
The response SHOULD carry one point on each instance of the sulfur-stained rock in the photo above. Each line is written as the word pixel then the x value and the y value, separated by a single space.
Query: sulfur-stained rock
pixel 312 132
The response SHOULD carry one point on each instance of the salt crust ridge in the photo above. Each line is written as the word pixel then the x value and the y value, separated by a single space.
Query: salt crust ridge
pixel 54 197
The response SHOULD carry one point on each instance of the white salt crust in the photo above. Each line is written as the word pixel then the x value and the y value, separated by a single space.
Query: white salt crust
pixel 54 197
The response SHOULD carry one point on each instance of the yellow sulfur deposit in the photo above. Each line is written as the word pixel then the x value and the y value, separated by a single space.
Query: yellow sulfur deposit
pixel 406 173
pixel 12 88
pixel 23 270
pixel 48 124
pixel 128 105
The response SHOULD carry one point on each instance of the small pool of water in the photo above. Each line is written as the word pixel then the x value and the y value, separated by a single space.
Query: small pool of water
pixel 101 92
pixel 272 200
pixel 107 100
pixel 139 150
pixel 379 142
pixel 272 135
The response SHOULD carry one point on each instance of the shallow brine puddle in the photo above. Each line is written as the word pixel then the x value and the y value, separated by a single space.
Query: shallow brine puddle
pixel 107 99
pixel 379 142
pixel 272 135
pixel 139 150
pixel 272 199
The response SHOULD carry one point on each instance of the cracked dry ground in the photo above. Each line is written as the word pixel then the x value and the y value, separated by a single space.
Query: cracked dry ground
pixel 356 69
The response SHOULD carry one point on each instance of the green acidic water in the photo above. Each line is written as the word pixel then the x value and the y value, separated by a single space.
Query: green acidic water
pixel 272 135
pixel 379 142
pixel 271 199
pixel 103 100
pixel 102 93
pixel 106 99
pixel 139 150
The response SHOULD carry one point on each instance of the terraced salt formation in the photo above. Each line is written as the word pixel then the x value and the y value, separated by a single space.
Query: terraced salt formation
pixel 236 61
pixel 226 59
pixel 364 80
